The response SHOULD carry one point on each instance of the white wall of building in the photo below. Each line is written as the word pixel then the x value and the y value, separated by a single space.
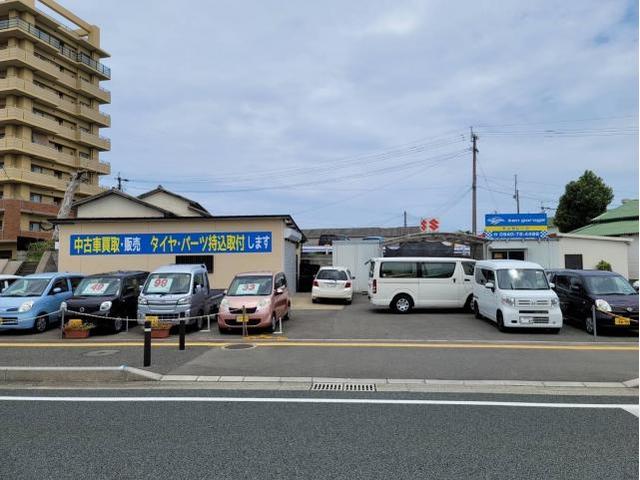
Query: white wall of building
pixel 113 206
pixel 550 253
pixel 353 254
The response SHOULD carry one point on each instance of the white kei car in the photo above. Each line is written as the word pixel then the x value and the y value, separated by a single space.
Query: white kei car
pixel 332 283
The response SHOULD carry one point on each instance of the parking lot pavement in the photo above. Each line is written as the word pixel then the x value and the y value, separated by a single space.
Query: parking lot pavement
pixel 189 434
pixel 361 321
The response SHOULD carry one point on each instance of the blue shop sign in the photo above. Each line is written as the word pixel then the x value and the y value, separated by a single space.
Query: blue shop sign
pixel 505 226
pixel 168 243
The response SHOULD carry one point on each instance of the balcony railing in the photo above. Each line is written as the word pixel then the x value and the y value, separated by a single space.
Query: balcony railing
pixel 55 43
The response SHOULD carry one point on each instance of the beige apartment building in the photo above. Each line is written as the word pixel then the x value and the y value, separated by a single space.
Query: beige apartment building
pixel 50 118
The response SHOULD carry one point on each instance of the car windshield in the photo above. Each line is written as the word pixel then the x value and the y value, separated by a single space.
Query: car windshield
pixel 250 286
pixel 27 287
pixel 608 285
pixel 98 287
pixel 522 279
pixel 331 275
pixel 168 283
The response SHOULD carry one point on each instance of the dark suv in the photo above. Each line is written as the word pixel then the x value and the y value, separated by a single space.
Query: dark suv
pixel 112 294
pixel 615 300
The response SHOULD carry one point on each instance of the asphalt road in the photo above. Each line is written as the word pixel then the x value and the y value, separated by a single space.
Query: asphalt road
pixel 238 440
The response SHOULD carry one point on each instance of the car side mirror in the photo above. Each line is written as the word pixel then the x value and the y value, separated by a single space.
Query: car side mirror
pixel 225 291
pixel 279 291
pixel 353 278
pixel 552 285
pixel 490 286
pixel 56 290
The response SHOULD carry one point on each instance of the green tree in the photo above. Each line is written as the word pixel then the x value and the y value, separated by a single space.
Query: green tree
pixel 583 199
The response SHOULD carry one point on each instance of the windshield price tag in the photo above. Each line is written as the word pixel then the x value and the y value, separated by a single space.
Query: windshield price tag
pixel 160 285
pixel 248 288
pixel 95 288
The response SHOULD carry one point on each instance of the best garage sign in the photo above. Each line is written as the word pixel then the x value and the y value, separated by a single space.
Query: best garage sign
pixel 168 243
pixel 506 226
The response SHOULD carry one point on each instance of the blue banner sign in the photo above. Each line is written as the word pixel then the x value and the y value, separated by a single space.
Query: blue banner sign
pixel 168 243
pixel 511 226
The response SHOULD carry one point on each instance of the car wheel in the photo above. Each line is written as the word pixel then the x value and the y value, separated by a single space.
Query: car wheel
pixel 476 311
pixel 402 304
pixel 588 325
pixel 199 322
pixel 468 305
pixel 554 331
pixel 287 316
pixel 500 321
pixel 223 331
pixel 274 323
pixel 348 301
pixel 116 325
pixel 314 300
pixel 41 323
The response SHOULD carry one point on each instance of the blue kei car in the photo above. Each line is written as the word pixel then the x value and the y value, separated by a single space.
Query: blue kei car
pixel 33 302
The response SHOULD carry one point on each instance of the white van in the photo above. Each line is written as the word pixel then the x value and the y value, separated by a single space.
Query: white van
pixel 514 293
pixel 402 283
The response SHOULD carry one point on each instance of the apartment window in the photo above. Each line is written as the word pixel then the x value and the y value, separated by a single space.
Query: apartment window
pixel 57 174
pixel 36 169
pixel 1 225
pixel 35 226
pixel 40 139
pixel 36 197
pixel 573 261
pixel 84 155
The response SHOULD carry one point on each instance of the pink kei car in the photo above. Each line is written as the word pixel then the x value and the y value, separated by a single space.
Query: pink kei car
pixel 264 296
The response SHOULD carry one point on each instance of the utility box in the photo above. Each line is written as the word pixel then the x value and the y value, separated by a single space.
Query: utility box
pixel 354 255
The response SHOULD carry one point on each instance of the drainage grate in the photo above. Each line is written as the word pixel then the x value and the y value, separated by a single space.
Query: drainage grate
pixel 359 387
pixel 327 387
pixel 344 387
pixel 239 346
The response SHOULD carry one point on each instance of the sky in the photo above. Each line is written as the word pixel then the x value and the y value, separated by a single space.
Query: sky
pixel 347 114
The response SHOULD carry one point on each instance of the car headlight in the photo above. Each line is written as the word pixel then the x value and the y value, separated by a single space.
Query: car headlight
pixel 603 305
pixel 555 302
pixel 105 306
pixel 264 303
pixel 63 306
pixel 143 301
pixel 25 307
pixel 509 301
pixel 184 301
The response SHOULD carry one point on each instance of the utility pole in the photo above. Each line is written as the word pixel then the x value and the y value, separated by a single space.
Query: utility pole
pixel 405 219
pixel 474 186
pixel 120 180
pixel 516 194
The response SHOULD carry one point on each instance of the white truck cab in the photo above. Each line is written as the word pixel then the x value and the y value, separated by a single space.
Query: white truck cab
pixel 515 294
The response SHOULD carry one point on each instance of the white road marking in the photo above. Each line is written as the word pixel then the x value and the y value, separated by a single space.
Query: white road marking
pixel 631 408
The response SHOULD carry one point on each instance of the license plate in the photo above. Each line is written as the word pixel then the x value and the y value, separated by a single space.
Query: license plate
pixel 622 321
pixel 242 318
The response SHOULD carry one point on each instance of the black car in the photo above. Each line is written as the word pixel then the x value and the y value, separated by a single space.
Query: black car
pixel 615 300
pixel 112 294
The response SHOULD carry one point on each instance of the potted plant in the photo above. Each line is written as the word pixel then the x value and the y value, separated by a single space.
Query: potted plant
pixel 76 328
pixel 160 329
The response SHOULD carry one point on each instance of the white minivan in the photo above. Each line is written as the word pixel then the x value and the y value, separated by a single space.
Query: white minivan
pixel 513 293
pixel 402 283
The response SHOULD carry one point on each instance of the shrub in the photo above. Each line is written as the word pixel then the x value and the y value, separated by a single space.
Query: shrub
pixel 603 265
pixel 78 324
pixel 37 249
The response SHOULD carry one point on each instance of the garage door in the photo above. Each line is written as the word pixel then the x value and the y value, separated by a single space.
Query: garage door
pixel 291 265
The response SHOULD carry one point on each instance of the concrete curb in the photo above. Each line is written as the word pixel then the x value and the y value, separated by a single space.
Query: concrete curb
pixel 75 374
pixel 125 373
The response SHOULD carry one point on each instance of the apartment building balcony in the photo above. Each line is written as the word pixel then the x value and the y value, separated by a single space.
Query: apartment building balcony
pixel 103 168
pixel 93 115
pixel 16 27
pixel 18 175
pixel 93 140
pixel 17 86
pixel 101 94
pixel 22 58
pixel 26 147
pixel 14 115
